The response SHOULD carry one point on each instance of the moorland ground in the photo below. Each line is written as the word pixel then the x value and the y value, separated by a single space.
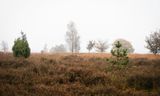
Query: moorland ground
pixel 79 75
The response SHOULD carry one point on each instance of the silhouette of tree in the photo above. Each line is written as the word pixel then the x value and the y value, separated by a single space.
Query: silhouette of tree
pixel 153 42
pixel 90 45
pixel 101 46
pixel 72 38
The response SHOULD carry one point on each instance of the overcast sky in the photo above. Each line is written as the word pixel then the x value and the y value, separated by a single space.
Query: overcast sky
pixel 45 21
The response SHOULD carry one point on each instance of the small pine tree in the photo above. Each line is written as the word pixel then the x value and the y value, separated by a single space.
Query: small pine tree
pixel 119 55
pixel 21 47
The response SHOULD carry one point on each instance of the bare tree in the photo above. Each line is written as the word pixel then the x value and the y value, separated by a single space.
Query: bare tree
pixel 125 44
pixel 4 46
pixel 58 49
pixel 153 42
pixel 90 45
pixel 101 46
pixel 72 38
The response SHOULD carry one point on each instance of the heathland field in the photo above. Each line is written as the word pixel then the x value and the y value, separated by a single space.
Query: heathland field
pixel 79 75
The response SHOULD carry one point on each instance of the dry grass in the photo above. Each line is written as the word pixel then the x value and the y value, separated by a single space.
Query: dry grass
pixel 106 55
pixel 78 75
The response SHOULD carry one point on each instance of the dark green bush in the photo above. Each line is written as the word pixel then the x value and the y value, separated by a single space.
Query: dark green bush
pixel 21 47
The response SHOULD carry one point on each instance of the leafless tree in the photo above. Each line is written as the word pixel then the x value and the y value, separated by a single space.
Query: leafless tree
pixel 58 49
pixel 125 44
pixel 72 38
pixel 90 45
pixel 101 46
pixel 153 42
pixel 4 46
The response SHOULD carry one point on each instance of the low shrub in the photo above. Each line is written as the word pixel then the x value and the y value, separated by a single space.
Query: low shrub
pixel 146 82
pixel 87 77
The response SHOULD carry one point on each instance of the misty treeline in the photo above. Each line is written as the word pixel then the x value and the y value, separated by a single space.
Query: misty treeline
pixel 72 45
pixel 72 39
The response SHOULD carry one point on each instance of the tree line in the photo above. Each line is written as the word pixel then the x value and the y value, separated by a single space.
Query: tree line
pixel 72 38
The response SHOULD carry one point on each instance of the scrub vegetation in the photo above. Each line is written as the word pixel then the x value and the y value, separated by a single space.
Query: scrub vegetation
pixel 79 75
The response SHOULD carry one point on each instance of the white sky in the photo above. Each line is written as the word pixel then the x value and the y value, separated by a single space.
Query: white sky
pixel 45 21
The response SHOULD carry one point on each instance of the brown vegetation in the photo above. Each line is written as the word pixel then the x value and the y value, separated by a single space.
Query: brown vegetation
pixel 78 75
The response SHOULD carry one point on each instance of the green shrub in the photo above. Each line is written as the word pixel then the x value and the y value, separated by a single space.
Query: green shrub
pixel 21 47
pixel 119 55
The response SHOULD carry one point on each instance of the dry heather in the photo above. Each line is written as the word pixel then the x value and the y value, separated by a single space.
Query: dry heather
pixel 78 75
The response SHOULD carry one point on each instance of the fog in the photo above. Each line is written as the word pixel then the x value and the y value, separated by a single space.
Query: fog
pixel 45 21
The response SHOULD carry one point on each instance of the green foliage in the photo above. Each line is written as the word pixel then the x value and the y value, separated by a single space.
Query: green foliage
pixel 119 55
pixel 21 47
